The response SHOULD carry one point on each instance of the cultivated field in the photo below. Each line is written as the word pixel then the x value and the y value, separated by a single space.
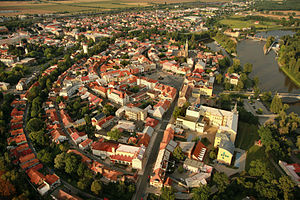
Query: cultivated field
pixel 11 8
pixel 236 22
pixel 285 12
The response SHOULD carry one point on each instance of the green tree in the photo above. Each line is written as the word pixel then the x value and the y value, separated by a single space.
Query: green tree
pixel 81 169
pixel 131 188
pixel 298 142
pixel 248 68
pixel 45 156
pixel 240 85
pixel 267 139
pixel 114 134
pixel 176 112
pixel 82 184
pixel 212 155
pixel 221 180
pixel 219 78
pixel 167 193
pixel 96 187
pixel 39 137
pixel 201 193
pixel 276 105
pixel 287 186
pixel 34 124
pixel 71 163
pixel 178 154
pixel 108 109
pixel 59 161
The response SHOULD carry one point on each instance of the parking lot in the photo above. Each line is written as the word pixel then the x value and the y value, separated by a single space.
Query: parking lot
pixel 254 106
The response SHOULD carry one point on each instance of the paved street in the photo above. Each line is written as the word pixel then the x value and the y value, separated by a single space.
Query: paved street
pixel 143 180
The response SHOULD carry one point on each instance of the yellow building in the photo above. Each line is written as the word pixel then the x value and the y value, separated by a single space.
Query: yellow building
pixel 226 148
pixel 226 121
pixel 203 90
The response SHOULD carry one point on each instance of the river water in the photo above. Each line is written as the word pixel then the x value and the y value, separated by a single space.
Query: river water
pixel 265 67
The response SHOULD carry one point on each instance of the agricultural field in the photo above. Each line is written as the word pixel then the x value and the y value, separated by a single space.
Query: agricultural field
pixel 285 14
pixel 236 22
pixel 11 8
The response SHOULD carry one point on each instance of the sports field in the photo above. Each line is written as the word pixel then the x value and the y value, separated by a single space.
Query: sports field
pixel 11 8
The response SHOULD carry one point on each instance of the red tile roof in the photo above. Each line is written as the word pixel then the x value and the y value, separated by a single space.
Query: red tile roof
pixel 86 142
pixel 151 122
pixel 62 195
pixel 26 158
pixel 121 158
pixel 36 177
pixel 51 179
pixel 198 149
pixel 105 146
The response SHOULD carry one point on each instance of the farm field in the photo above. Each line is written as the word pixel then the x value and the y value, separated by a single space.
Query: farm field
pixel 284 12
pixel 11 8
pixel 236 22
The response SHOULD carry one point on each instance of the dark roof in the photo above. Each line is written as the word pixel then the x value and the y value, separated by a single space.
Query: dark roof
pixel 99 116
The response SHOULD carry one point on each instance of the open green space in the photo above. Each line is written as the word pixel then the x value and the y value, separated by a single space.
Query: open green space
pixel 236 22
pixel 291 76
pixel 247 134
pixel 258 153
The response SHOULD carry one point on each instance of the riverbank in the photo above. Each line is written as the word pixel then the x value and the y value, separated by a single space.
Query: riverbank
pixel 265 49
pixel 290 75
pixel 226 42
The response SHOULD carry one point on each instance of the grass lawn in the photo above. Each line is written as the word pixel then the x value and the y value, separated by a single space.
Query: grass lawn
pixel 247 134
pixel 235 22
pixel 291 76
pixel 258 153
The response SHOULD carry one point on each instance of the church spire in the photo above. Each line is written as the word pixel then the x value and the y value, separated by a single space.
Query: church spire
pixel 234 110
pixel 186 49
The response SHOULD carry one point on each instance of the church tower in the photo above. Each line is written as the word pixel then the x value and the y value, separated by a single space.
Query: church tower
pixel 186 49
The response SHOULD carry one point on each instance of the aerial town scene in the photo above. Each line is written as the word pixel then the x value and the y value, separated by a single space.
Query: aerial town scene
pixel 150 100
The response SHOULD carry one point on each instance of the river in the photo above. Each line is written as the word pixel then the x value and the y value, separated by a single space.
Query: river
pixel 265 67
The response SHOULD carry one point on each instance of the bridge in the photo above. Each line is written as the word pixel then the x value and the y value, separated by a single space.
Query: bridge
pixel 288 95
pixel 257 38
pixel 269 49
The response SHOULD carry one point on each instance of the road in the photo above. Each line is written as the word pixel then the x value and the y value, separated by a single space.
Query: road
pixel 143 181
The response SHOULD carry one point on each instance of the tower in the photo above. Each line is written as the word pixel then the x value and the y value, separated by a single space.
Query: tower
pixel 186 49
pixel 85 48
pixel 234 110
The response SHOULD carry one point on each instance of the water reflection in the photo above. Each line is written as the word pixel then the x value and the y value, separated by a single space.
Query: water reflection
pixel 265 67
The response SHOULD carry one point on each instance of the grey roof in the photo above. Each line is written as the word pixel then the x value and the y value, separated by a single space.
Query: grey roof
pixel 99 116
pixel 193 163
pixel 227 145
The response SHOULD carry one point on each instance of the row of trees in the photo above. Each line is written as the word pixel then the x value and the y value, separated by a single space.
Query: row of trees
pixel 289 55
pixel 228 44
